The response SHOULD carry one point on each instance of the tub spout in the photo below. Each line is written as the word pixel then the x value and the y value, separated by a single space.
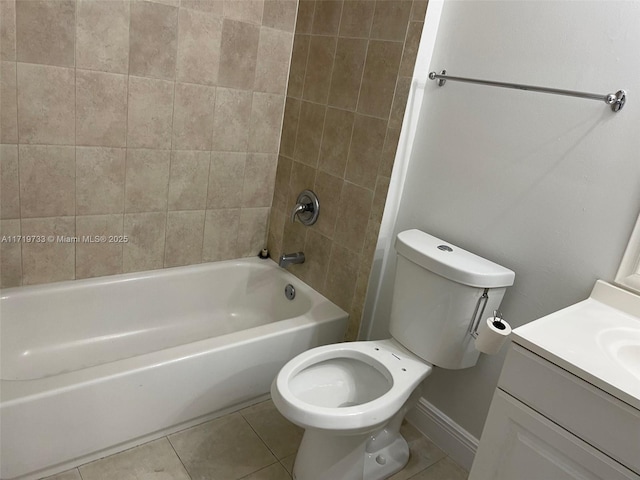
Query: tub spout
pixel 291 258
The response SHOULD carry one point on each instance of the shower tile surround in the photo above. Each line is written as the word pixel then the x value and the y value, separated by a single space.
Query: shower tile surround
pixel 255 443
pixel 186 151
pixel 351 70
pixel 158 120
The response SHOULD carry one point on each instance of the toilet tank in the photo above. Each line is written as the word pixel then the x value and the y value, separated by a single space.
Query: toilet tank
pixel 438 292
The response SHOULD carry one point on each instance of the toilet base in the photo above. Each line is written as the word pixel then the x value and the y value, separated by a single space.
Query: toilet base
pixel 386 461
pixel 325 455
pixel 350 457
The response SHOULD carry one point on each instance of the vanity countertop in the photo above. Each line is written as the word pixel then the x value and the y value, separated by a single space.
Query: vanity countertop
pixel 597 340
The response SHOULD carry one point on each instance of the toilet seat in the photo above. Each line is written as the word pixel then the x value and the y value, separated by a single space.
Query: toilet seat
pixel 387 360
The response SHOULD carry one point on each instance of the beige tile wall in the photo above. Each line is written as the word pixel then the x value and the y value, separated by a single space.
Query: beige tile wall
pixel 158 120
pixel 351 69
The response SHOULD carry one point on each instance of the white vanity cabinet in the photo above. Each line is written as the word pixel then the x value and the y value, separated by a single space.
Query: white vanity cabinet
pixel 548 424
pixel 567 404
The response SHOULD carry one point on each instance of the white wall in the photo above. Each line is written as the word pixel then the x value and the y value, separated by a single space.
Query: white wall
pixel 547 186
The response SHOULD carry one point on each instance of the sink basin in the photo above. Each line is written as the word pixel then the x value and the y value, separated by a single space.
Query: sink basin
pixel 622 345
pixel 629 357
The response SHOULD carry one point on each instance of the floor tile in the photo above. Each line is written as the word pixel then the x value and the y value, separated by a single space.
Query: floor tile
pixel 280 435
pixel 244 446
pixel 222 449
pixel 409 432
pixel 68 475
pixel 445 469
pixel 152 461
pixel 423 453
pixel 272 472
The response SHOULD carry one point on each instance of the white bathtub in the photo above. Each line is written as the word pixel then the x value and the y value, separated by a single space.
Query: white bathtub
pixel 95 366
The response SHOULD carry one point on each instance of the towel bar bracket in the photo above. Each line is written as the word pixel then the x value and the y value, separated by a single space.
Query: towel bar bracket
pixel 617 100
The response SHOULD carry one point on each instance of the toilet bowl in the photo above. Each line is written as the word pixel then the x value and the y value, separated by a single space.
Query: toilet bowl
pixel 351 397
pixel 346 397
pixel 348 387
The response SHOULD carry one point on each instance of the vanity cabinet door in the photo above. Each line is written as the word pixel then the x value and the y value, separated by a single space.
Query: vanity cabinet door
pixel 520 444
pixel 593 415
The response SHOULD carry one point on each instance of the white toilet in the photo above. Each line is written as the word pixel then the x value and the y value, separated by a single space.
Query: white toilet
pixel 351 397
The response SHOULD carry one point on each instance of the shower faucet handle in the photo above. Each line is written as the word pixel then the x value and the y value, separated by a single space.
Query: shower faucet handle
pixel 306 209
pixel 298 209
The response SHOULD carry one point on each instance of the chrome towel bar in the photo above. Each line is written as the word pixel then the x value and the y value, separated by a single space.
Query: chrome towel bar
pixel 616 100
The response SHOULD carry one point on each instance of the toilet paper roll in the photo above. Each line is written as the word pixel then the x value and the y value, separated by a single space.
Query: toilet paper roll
pixel 491 335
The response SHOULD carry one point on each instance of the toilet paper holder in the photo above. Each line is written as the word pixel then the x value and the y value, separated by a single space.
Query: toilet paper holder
pixel 478 314
pixel 498 321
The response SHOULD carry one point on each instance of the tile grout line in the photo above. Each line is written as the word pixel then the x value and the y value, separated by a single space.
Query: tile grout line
pixel 355 37
pixel 258 435
pixel 75 139
pixel 246 153
pixel 326 105
pixel 18 158
pixel 171 140
pixel 278 460
pixel 260 470
pixel 425 468
pixel 126 139
pixel 212 134
pixel 304 74
pixel 177 455
pixel 366 54
pixel 295 138
pixel 206 202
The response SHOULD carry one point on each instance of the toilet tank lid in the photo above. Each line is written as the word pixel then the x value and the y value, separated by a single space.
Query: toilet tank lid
pixel 451 262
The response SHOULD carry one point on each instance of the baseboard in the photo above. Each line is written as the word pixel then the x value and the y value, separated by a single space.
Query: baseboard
pixel 459 444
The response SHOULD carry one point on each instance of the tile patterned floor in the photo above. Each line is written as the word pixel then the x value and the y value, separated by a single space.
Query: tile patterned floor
pixel 256 443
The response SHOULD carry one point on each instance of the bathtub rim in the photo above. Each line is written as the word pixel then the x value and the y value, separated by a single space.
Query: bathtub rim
pixel 16 391
pixel 168 272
